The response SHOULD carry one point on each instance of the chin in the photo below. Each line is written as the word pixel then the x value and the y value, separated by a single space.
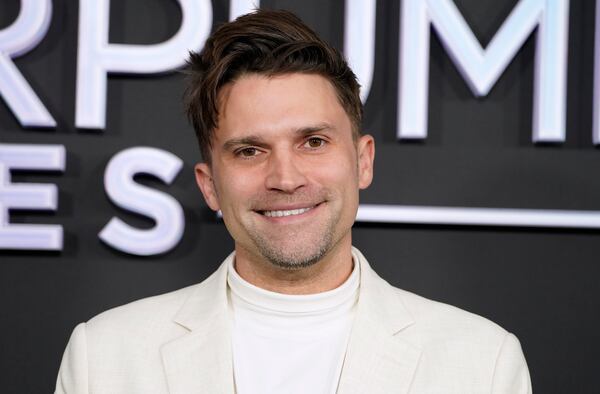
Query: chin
pixel 292 263
pixel 295 256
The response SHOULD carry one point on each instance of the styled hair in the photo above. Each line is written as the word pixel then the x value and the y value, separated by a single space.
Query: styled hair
pixel 269 43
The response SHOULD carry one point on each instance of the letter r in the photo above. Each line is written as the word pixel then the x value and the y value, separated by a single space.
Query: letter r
pixel 19 38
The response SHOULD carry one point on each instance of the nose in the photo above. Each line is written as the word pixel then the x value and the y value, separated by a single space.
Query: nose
pixel 284 172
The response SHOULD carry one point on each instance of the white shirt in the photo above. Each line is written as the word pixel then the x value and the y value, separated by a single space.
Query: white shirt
pixel 289 343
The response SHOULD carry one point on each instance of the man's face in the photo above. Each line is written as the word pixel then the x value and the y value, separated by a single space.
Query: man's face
pixel 285 169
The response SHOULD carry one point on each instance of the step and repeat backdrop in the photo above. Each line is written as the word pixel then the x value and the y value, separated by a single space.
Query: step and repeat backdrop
pixel 486 120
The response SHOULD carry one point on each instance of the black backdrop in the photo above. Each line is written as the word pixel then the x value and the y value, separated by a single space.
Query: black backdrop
pixel 541 284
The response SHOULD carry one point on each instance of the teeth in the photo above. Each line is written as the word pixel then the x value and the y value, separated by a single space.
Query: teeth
pixel 291 212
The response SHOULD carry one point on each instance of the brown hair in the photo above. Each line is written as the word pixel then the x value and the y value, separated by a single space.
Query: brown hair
pixel 262 42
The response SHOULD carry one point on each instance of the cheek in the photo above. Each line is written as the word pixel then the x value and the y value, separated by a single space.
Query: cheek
pixel 341 172
pixel 341 183
pixel 237 186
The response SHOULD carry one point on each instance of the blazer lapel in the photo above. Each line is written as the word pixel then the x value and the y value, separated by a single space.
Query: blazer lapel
pixel 200 361
pixel 378 359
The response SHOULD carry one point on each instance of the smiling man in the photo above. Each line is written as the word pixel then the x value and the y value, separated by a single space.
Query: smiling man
pixel 286 174
pixel 295 308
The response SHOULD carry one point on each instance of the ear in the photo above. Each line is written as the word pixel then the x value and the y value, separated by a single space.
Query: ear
pixel 366 155
pixel 206 184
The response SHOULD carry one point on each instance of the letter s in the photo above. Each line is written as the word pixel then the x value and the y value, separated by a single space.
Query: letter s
pixel 125 193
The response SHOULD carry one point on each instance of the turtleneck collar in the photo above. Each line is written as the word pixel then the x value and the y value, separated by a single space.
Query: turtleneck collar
pixel 265 301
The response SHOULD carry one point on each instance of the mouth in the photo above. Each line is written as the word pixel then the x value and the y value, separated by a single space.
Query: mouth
pixel 278 213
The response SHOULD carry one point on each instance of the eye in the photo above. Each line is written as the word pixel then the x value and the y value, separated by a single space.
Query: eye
pixel 248 152
pixel 314 142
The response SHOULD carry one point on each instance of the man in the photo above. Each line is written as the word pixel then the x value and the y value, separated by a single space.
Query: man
pixel 295 309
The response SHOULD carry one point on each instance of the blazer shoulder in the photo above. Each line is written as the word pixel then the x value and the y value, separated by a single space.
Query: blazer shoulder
pixel 162 307
pixel 436 320
pixel 142 312
pixel 461 349
pixel 451 337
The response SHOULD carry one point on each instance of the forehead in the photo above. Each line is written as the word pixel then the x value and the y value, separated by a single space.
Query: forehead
pixel 262 104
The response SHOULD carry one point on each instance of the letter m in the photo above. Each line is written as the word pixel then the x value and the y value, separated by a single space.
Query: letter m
pixel 481 67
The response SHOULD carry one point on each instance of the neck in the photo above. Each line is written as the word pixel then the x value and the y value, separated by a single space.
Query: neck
pixel 326 274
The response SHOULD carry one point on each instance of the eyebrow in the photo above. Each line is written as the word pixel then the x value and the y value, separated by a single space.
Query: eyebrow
pixel 247 140
pixel 259 141
pixel 313 129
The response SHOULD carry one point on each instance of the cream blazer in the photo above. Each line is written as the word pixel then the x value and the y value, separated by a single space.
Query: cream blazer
pixel 179 343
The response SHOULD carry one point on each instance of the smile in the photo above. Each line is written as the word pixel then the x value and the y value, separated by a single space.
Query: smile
pixel 290 212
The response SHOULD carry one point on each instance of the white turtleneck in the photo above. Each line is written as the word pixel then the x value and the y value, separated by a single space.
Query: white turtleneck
pixel 289 343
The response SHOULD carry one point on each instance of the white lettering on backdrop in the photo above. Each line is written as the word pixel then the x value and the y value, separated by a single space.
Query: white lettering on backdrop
pixel 359 41
pixel 596 120
pixel 96 58
pixel 241 7
pixel 480 67
pixel 29 196
pixel 17 39
pixel 122 190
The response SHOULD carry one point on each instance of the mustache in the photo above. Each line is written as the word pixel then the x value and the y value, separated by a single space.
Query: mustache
pixel 276 198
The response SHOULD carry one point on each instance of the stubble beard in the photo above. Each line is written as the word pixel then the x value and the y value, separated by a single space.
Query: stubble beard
pixel 294 258
pixel 297 248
